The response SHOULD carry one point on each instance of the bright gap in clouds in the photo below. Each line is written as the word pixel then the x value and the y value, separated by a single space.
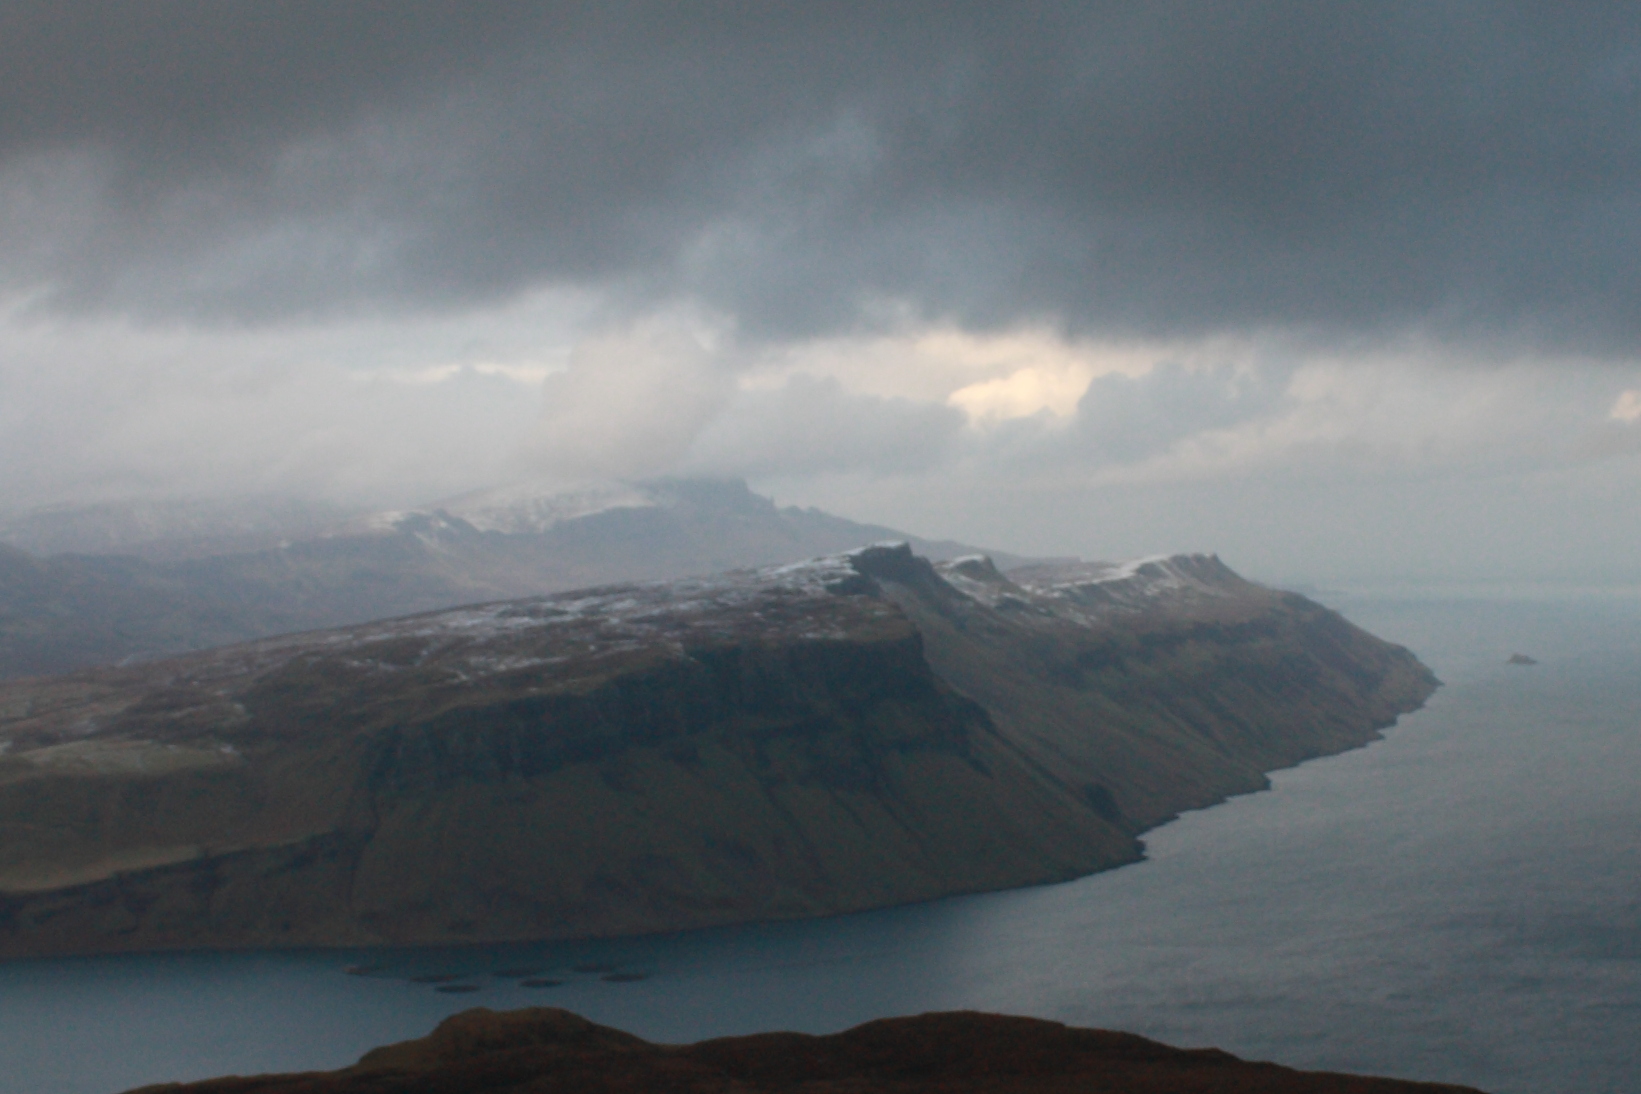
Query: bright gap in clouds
pixel 1389 462
pixel 1628 407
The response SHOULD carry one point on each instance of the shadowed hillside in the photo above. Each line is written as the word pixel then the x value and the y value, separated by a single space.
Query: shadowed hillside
pixel 544 1049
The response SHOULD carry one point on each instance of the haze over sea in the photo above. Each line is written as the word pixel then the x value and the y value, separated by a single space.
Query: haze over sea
pixel 1459 902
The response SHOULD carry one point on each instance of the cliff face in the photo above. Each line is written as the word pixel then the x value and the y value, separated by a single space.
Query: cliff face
pixel 1162 685
pixel 858 731
pixel 542 1048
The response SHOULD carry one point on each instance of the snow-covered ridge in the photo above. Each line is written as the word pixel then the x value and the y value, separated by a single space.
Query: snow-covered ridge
pixel 795 600
pixel 1172 584
pixel 1094 592
pixel 517 509
pixel 535 507
pixel 526 507
pixel 1153 575
pixel 557 639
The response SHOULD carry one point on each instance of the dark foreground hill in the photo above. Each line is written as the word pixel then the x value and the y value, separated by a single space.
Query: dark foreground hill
pixel 543 1050
pixel 183 590
pixel 852 732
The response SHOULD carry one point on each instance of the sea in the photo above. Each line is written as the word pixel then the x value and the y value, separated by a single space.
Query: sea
pixel 1458 902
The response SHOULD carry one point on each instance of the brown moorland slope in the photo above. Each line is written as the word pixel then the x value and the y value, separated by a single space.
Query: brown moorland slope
pixel 543 1050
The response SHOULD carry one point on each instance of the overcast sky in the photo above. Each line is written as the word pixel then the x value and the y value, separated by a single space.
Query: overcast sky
pixel 1339 290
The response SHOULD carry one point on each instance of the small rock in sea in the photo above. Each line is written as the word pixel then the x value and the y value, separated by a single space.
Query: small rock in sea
pixel 435 978
pixel 626 977
pixel 1521 659
pixel 362 970
pixel 514 974
pixel 538 982
pixel 454 989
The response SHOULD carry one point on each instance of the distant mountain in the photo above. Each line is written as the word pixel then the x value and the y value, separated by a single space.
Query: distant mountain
pixel 67 611
pixel 850 732
pixel 170 529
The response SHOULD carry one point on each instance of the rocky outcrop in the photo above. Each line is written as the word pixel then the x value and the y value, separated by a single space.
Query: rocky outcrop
pixel 853 732
pixel 544 1049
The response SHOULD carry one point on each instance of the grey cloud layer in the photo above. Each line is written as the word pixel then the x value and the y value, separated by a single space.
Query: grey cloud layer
pixel 813 426
pixel 1126 168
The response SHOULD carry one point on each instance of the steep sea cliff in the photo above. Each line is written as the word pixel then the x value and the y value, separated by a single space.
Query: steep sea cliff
pixel 859 731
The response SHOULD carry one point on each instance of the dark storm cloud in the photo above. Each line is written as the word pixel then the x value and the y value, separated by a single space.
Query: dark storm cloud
pixel 1126 168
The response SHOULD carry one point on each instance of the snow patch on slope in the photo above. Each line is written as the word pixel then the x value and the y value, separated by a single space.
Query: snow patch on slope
pixel 797 600
pixel 531 507
pixel 1087 591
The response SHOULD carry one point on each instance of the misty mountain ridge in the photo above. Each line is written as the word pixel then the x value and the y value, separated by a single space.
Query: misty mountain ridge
pixel 532 507
pixel 147 579
pixel 169 529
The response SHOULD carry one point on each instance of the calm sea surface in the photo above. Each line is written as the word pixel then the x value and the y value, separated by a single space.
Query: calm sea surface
pixel 1459 902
